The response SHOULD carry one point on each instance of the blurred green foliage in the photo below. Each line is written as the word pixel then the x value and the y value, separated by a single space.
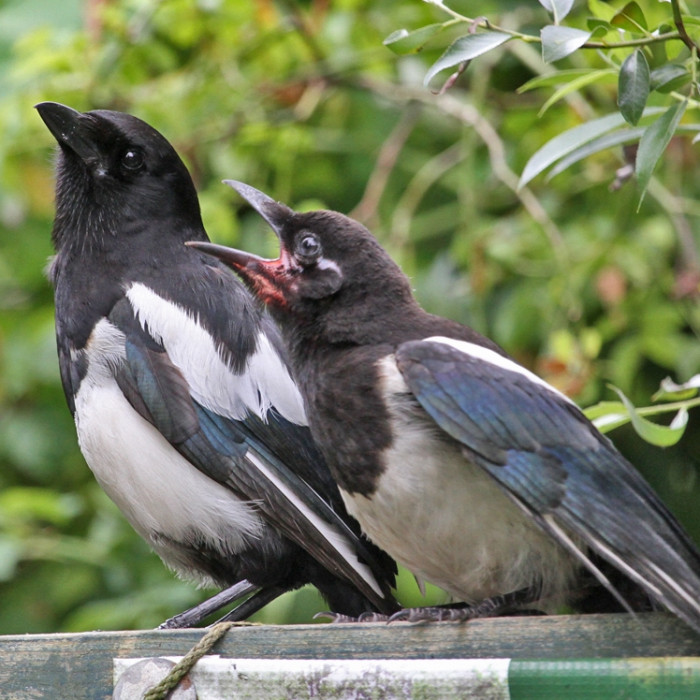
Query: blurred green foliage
pixel 303 100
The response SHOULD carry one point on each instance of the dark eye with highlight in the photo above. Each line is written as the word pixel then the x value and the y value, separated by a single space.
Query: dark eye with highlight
pixel 307 248
pixel 133 160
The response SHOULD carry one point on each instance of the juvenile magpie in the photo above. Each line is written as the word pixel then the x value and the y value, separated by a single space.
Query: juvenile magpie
pixel 179 385
pixel 464 466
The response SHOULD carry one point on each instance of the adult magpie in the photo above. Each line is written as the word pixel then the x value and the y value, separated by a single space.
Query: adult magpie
pixel 460 463
pixel 179 385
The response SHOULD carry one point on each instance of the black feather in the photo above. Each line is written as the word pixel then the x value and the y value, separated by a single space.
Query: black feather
pixel 125 205
pixel 388 385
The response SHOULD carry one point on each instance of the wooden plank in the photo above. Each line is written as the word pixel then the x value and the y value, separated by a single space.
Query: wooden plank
pixel 79 666
pixel 215 678
pixel 218 678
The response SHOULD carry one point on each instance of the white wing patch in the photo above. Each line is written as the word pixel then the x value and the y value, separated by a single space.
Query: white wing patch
pixel 157 489
pixel 431 505
pixel 265 382
pixel 493 358
pixel 336 539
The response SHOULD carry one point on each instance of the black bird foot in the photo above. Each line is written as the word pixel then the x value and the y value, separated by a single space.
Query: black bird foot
pixel 193 616
pixel 507 604
pixel 344 619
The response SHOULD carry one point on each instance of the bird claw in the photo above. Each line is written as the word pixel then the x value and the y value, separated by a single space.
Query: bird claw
pixel 433 614
pixel 373 617
pixel 337 618
pixel 505 604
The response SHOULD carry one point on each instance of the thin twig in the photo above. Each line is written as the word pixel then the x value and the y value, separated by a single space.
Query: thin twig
pixel 366 209
pixel 678 21
pixel 646 41
pixel 415 191
pixel 471 116
pixel 484 23
pixel 305 31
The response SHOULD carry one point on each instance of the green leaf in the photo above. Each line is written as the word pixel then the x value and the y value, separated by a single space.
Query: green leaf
pixel 402 41
pixel 576 84
pixel 558 42
pixel 561 76
pixel 464 49
pixel 605 408
pixel 633 87
pixel 659 435
pixel 601 9
pixel 631 18
pixel 599 26
pixel 568 141
pixel 670 391
pixel 668 77
pixel 565 143
pixel 653 143
pixel 557 8
pixel 607 415
pixel 616 138
pixel 690 20
pixel 657 53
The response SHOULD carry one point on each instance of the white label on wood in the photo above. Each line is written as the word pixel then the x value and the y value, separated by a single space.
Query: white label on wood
pixel 218 678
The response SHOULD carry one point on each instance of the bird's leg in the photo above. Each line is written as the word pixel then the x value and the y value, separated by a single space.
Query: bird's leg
pixel 193 616
pixel 253 604
pixel 507 603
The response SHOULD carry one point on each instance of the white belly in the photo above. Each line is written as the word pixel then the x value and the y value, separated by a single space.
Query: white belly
pixel 450 523
pixel 157 490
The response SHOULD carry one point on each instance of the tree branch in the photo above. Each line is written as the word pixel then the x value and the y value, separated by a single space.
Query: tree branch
pixel 484 23
pixel 406 207
pixel 469 115
pixel 683 34
pixel 366 209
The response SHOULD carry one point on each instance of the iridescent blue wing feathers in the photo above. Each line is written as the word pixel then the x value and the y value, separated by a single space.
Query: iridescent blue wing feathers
pixel 540 448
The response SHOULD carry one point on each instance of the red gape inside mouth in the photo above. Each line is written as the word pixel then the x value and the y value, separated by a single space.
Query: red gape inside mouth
pixel 271 279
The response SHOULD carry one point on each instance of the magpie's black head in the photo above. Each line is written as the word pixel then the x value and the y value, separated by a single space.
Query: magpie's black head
pixel 115 174
pixel 330 268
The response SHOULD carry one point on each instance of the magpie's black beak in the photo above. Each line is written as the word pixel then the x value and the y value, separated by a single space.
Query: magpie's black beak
pixel 270 280
pixel 275 213
pixel 69 128
pixel 238 260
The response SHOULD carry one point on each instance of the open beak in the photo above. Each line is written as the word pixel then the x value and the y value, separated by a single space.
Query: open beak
pixel 68 127
pixel 269 279
pixel 275 213
pixel 237 260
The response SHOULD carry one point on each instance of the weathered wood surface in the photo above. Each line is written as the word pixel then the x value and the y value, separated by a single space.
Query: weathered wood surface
pixel 79 666
pixel 215 678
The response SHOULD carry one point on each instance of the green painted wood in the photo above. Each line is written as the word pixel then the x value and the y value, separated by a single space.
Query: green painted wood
pixel 593 679
pixel 79 666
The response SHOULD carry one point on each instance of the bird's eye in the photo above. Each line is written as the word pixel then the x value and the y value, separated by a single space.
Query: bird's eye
pixel 308 248
pixel 133 159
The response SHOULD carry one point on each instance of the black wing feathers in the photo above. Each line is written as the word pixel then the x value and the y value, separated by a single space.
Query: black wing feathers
pixel 162 390
pixel 542 449
pixel 237 453
pixel 210 450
